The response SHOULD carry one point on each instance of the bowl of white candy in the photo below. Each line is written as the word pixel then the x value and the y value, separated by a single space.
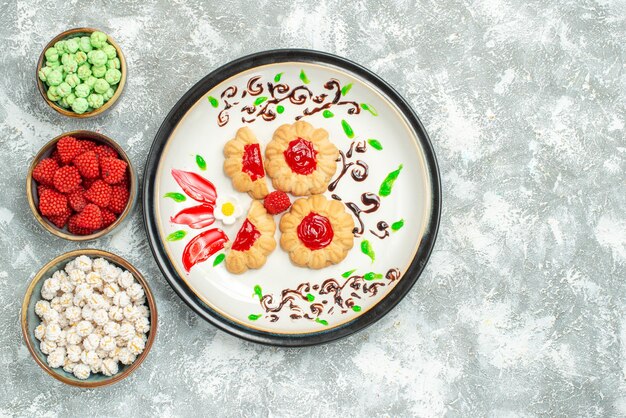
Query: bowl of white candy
pixel 89 318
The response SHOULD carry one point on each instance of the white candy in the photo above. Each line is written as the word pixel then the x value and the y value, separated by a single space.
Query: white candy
pixel 47 295
pixel 66 284
pixel 73 314
pixel 96 301
pixel 62 340
pixel 68 366
pixel 41 307
pixel 142 325
pixel 116 313
pixel 140 301
pixel 87 313
pixel 107 343
pixel 55 304
pixel 121 299
pixel 110 289
pixel 47 346
pixel 91 342
pixel 135 291
pixel 115 353
pixel 72 337
pixel 77 277
pixel 73 353
pixel 51 316
pixel 69 267
pixel 60 275
pixel 109 367
pixel 89 357
pixel 66 300
pixel 63 322
pixel 82 371
pixel 83 263
pixel 143 310
pixel 101 317
pixel 84 328
pixel 56 358
pixel 94 279
pixel 130 313
pixel 110 273
pixel 40 332
pixel 127 331
pixel 126 357
pixel 96 365
pixel 51 285
pixel 125 280
pixel 136 345
pixel 99 264
pixel 112 329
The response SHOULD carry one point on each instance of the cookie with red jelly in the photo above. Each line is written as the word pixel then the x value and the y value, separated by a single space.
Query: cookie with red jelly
pixel 317 232
pixel 244 164
pixel 300 159
pixel 254 241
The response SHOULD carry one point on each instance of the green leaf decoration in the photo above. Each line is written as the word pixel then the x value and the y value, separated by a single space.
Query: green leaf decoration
pixel 258 292
pixel 213 101
pixel 277 77
pixel 366 248
pixel 387 184
pixel 327 114
pixel 348 273
pixel 375 144
pixel 219 259
pixel 253 317
pixel 321 321
pixel 176 235
pixel 372 276
pixel 260 100
pixel 201 163
pixel 356 308
pixel 397 225
pixel 345 89
pixel 304 78
pixel 310 297
pixel 347 129
pixel 177 197
pixel 280 109
pixel 369 108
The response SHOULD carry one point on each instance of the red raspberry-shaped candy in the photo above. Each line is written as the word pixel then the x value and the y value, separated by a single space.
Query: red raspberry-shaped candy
pixel 113 170
pixel 60 220
pixel 87 164
pixel 108 217
pixel 67 179
pixel 68 148
pixel 52 203
pixel 105 151
pixel 277 202
pixel 99 193
pixel 44 171
pixel 90 218
pixel 119 199
pixel 77 200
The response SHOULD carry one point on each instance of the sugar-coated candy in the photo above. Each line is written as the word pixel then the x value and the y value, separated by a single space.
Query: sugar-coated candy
pixel 73 353
pixel 142 324
pixel 130 312
pixel 51 285
pixel 97 58
pixel 96 365
pixel 114 63
pixel 81 91
pixel 41 307
pixel 127 331
pixel 85 44
pixel 126 357
pixel 91 342
pixel 101 317
pixel 80 105
pixel 109 50
pixel 68 366
pixel 64 89
pixel 116 313
pixel 43 73
pixel 72 337
pixel 135 291
pixel 47 346
pixel 84 71
pixel 98 39
pixel 95 100
pixel 107 343
pixel 40 332
pixel 121 299
pixel 99 264
pixel 66 300
pixel 101 86
pixel 76 276
pixel 84 328
pixel 143 310
pixel 53 330
pixel 57 357
pixel 98 71
pixel 71 45
pixel 108 94
pixel 62 340
pixel 112 329
pixel 52 54
pixel 91 80
pixel 60 46
pixel 51 316
pixel 87 312
pixel 110 289
pixel 55 77
pixel 82 371
pixel 73 314
pixel 83 263
pixel 70 65
pixel 109 367
pixel 125 279
pixel 113 76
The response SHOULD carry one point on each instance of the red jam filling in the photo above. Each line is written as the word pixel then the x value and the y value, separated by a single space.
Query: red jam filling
pixel 246 236
pixel 300 156
pixel 315 231
pixel 252 163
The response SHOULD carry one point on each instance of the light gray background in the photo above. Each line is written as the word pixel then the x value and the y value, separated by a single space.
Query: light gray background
pixel 521 310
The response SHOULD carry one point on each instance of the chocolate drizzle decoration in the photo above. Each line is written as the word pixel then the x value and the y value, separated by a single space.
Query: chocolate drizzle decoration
pixel 280 92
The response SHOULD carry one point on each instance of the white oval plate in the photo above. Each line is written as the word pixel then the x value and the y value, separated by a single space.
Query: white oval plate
pixel 380 138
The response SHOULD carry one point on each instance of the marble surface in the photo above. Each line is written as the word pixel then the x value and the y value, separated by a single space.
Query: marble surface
pixel 521 310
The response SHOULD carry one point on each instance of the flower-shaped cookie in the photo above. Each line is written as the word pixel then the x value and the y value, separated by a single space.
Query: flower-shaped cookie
pixel 316 232
pixel 300 159
pixel 254 241
pixel 244 164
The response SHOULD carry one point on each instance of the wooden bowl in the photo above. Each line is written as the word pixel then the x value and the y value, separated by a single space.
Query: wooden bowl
pixel 33 199
pixel 29 319
pixel 71 33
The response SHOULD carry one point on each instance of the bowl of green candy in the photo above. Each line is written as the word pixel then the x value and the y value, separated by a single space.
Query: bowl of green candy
pixel 81 72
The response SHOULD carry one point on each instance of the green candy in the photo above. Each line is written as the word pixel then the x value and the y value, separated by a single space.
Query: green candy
pixel 91 80
pixel 95 100
pixel 98 71
pixel 82 90
pixel 55 77
pixel 64 58
pixel 69 99
pixel 101 86
pixel 60 47
pixel 98 39
pixel 70 65
pixel 84 71
pixel 113 76
pixel 52 94
pixel 53 64
pixel 108 94
pixel 52 54
pixel 110 51
pixel 64 89
pixel 114 63
pixel 80 105
pixel 97 58
pixel 71 45
pixel 85 44
pixel 80 57
pixel 73 80
pixel 43 73
pixel 63 103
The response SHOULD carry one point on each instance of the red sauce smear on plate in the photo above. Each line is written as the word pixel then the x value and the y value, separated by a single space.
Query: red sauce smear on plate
pixel 300 156
pixel 252 163
pixel 246 236
pixel 315 231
